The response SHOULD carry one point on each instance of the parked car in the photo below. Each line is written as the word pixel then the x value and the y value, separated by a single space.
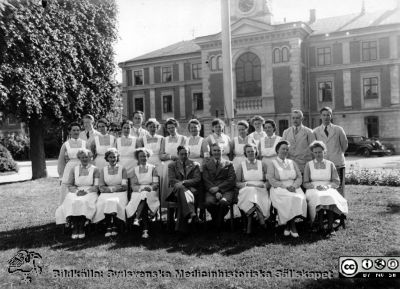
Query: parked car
pixel 361 145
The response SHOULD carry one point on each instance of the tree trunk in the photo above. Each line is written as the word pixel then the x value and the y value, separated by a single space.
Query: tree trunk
pixel 38 157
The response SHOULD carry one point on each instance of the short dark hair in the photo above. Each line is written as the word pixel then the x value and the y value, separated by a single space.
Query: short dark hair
pixel 127 121
pixel 138 112
pixel 326 108
pixel 181 147
pixel 280 143
pixel 88 116
pixel 193 121
pixel 248 145
pixel 147 152
pixel 103 120
pixel 172 121
pixel 244 123
pixel 72 124
pixel 216 121
pixel 152 121
pixel 271 122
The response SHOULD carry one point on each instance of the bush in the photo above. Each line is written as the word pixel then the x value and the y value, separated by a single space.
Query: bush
pixel 18 145
pixel 7 162
pixel 373 177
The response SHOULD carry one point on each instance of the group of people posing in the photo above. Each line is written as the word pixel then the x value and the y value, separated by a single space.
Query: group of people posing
pixel 300 174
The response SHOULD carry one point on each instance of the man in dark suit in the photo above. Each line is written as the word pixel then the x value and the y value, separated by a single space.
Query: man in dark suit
pixel 220 182
pixel 184 179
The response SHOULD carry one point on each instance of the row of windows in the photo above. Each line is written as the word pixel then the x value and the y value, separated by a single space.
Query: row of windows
pixel 281 55
pixel 166 75
pixel 370 89
pixel 197 102
pixel 369 52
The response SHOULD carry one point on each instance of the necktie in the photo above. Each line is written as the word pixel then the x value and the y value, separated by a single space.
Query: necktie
pixel 326 131
pixel 87 135
pixel 217 163
pixel 184 169
pixel 296 130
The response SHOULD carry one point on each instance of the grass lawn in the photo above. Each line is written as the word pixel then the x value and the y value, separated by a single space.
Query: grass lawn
pixel 27 214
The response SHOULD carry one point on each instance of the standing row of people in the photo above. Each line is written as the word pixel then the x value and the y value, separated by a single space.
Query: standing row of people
pixel 261 160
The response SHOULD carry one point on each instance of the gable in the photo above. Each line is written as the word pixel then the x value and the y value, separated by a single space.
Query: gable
pixel 248 26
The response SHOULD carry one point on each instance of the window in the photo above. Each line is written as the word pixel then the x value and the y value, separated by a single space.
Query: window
pixel 167 103
pixel 370 88
pixel 277 55
pixel 248 75
pixel 129 77
pixel 283 124
pixel 167 74
pixel 213 63
pixel 138 77
pixel 369 50
pixel 196 71
pixel 285 54
pixel 219 62
pixel 198 101
pixel 372 123
pixel 139 104
pixel 325 91
pixel 324 56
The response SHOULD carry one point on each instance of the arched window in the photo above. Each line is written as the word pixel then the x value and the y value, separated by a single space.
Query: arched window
pixel 285 54
pixel 277 55
pixel 213 63
pixel 219 62
pixel 248 75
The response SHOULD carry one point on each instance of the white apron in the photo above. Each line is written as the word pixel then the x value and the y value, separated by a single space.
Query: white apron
pixel 155 156
pixel 73 162
pixel 151 198
pixel 268 154
pixel 330 199
pixel 170 149
pixel 288 204
pixel 195 149
pixel 239 153
pixel 99 161
pixel 126 154
pixel 250 196
pixel 74 205
pixel 109 203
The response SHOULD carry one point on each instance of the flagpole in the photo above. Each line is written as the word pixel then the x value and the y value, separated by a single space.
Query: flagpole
pixel 227 63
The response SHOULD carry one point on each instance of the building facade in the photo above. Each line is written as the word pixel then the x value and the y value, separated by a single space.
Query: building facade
pixel 350 63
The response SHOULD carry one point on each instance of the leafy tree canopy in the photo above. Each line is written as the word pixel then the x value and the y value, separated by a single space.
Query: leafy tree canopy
pixel 57 63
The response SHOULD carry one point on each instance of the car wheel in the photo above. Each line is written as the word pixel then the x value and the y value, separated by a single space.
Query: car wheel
pixel 390 152
pixel 366 153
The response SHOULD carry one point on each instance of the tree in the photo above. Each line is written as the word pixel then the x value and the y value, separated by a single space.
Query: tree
pixel 56 64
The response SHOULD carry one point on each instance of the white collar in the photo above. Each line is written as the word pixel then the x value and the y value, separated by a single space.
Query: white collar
pixel 252 162
pixel 270 137
pixel 85 167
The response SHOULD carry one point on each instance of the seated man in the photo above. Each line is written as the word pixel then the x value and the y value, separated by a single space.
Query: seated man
pixel 184 179
pixel 219 181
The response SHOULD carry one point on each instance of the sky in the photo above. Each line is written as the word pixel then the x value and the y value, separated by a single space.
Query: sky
pixel 147 25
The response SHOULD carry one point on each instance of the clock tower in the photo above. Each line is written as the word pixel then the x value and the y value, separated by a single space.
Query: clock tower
pixel 260 10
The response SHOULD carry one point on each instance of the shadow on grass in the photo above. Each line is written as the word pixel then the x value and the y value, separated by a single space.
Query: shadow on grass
pixel 392 208
pixel 199 242
pixel 336 283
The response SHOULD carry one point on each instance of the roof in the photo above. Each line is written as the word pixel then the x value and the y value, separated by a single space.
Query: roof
pixel 179 48
pixel 355 21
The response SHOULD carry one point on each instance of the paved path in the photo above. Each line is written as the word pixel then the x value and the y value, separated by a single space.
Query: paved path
pixel 25 170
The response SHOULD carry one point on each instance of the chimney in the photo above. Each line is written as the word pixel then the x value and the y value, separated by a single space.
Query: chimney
pixel 313 16
pixel 362 7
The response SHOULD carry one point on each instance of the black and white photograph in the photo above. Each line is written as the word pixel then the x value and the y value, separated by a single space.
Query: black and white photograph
pixel 200 144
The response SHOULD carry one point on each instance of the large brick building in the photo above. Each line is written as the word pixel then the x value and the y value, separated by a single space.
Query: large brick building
pixel 350 63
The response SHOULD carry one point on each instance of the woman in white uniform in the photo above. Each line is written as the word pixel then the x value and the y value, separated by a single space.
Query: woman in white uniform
pixel 79 205
pixel 219 137
pixel 239 142
pixel 267 143
pixel 100 143
pixel 257 122
pixel 321 181
pixel 253 187
pixel 198 146
pixel 286 195
pixel 113 193
pixel 152 141
pixel 126 146
pixel 169 152
pixel 144 198
pixel 67 159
